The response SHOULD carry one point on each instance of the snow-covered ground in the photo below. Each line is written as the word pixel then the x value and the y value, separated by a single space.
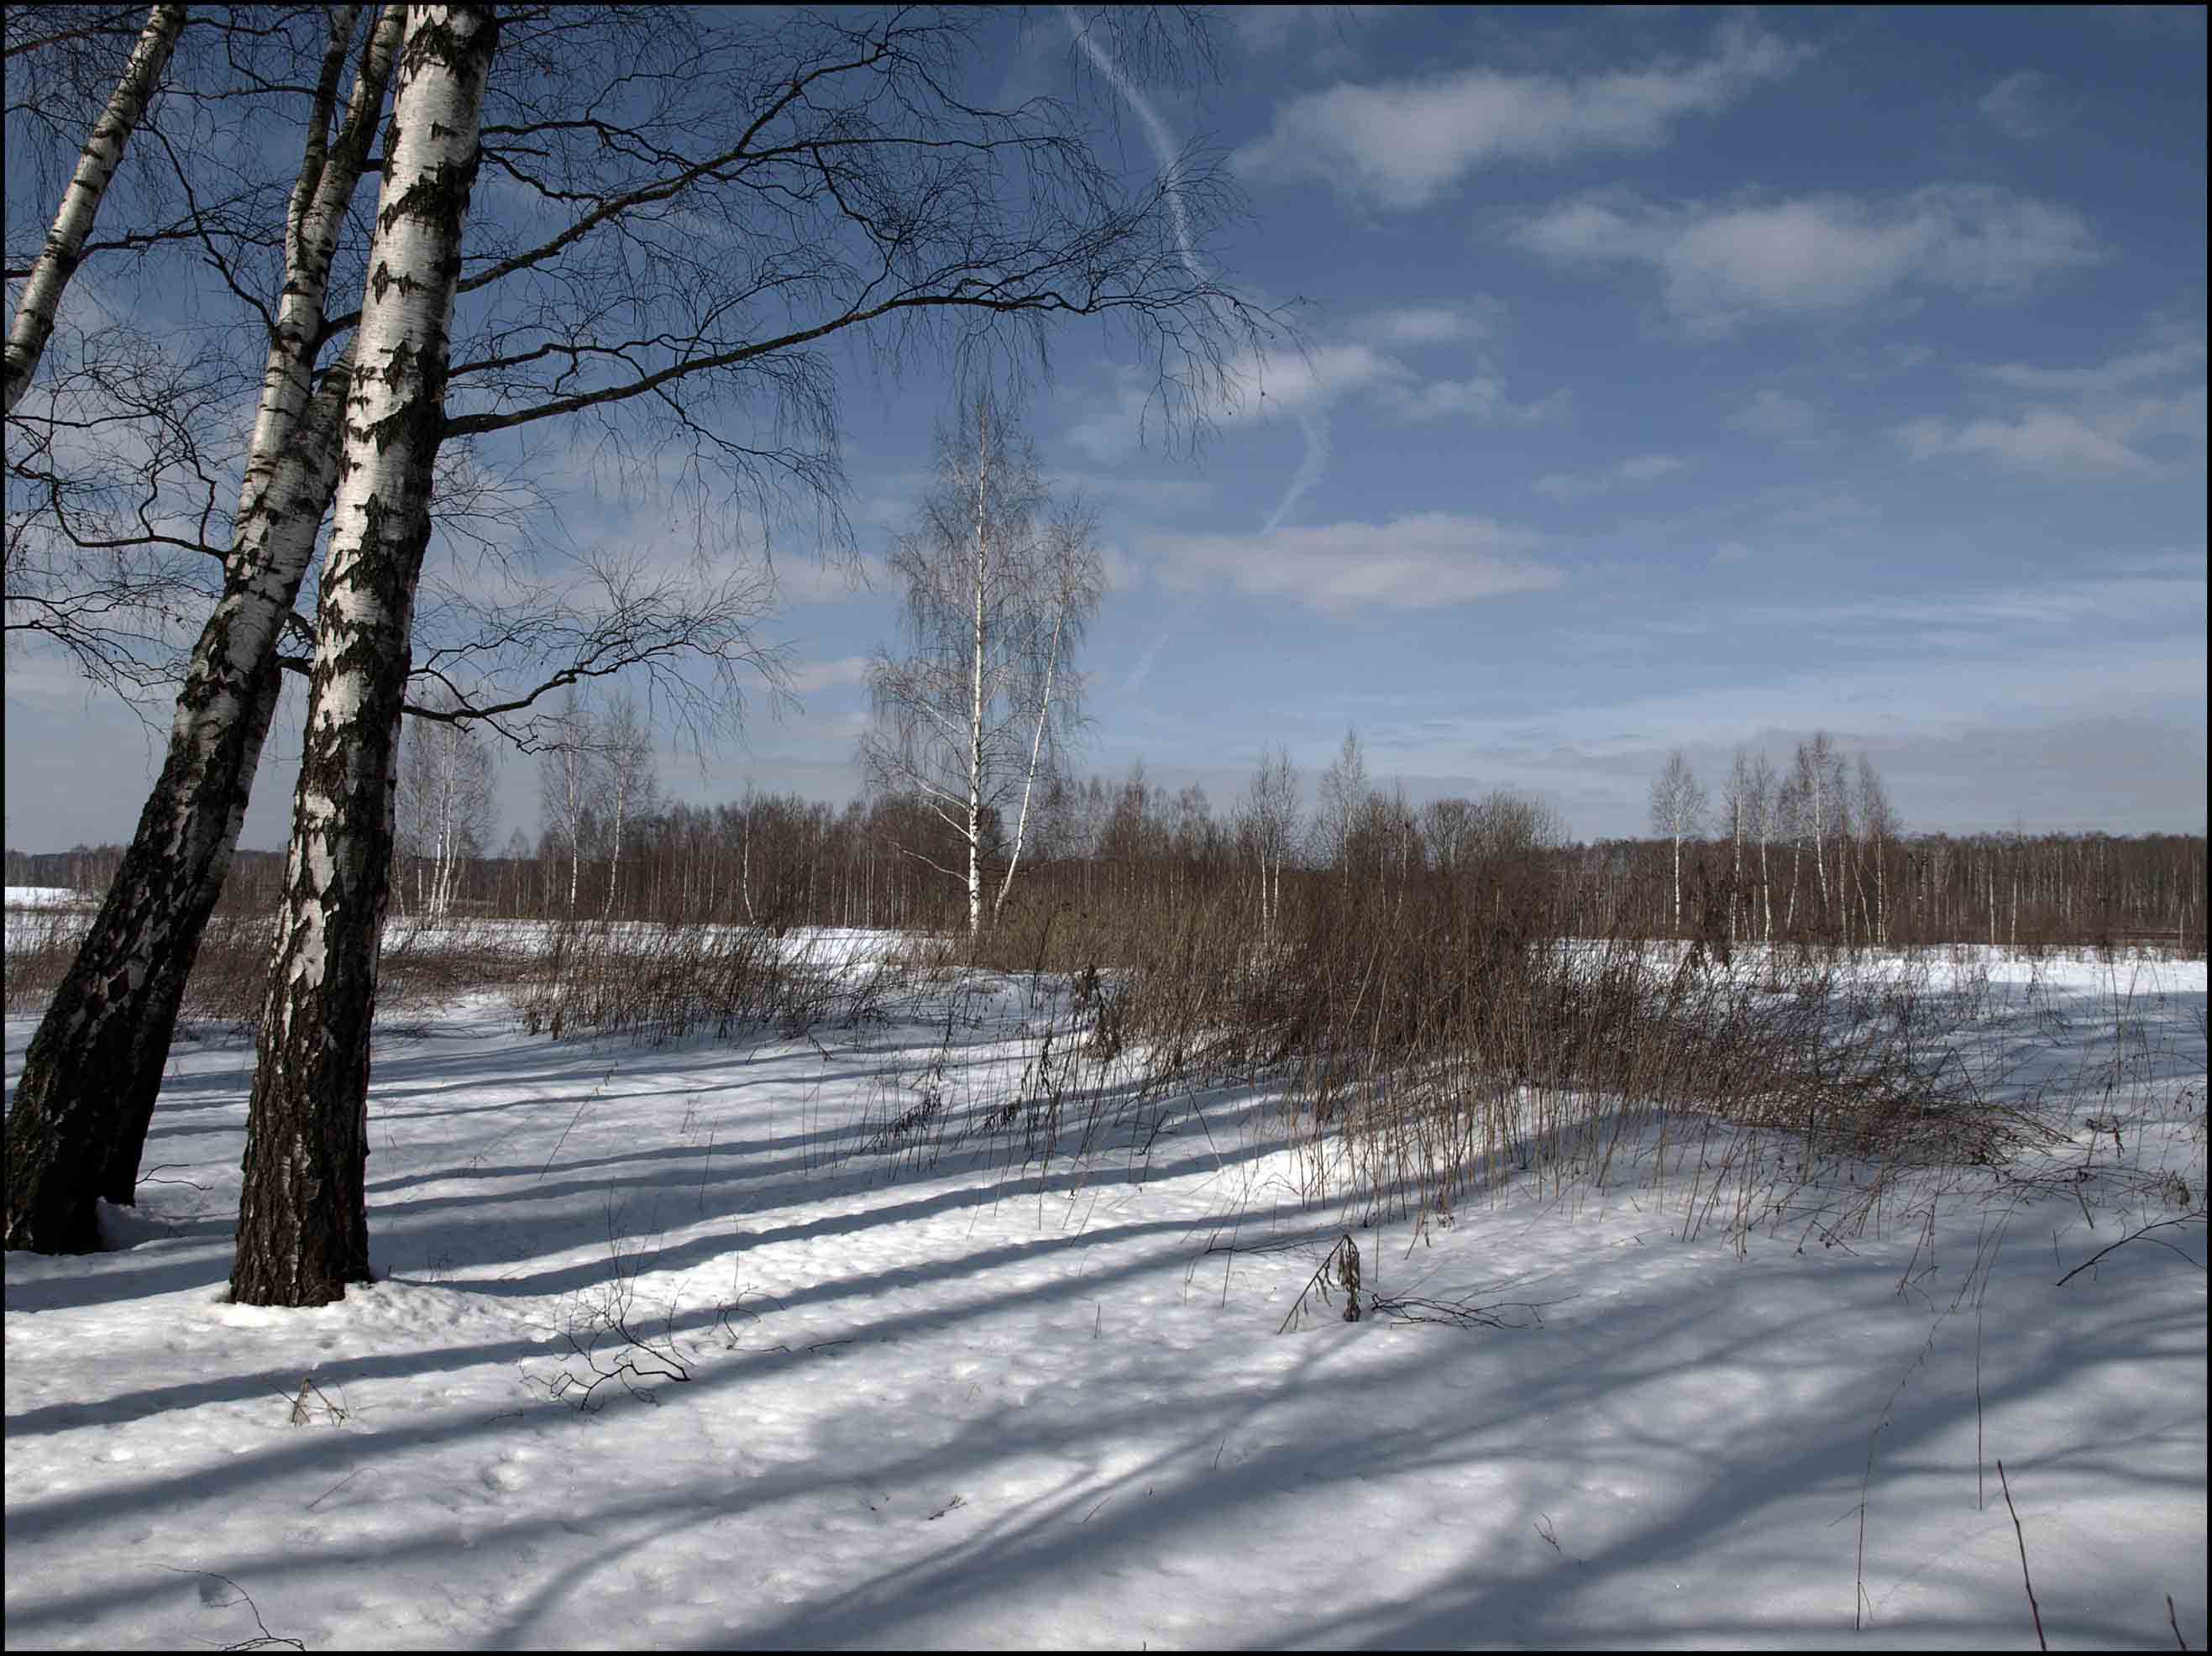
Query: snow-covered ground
pixel 49 896
pixel 935 1397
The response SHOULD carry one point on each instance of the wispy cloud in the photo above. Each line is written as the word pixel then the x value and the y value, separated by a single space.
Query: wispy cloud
pixel 1423 324
pixel 1401 145
pixel 2020 105
pixel 825 675
pixel 2180 354
pixel 1430 560
pixel 1773 414
pixel 1722 266
pixel 1266 30
pixel 2039 438
pixel 1565 486
pixel 2094 417
pixel 1306 387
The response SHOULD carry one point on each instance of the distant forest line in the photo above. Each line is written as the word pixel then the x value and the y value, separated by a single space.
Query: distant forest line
pixel 783 861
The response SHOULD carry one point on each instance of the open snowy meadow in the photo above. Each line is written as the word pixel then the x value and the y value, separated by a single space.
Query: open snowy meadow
pixel 883 1330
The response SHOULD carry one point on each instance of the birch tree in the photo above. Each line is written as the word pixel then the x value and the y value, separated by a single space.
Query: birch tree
pixel 1816 783
pixel 568 783
pixel 696 209
pixel 982 695
pixel 1759 809
pixel 93 1070
pixel 1271 812
pixel 1062 606
pixel 446 774
pixel 1343 794
pixel 627 780
pixel 302 1219
pixel 35 309
pixel 1878 821
pixel 1678 802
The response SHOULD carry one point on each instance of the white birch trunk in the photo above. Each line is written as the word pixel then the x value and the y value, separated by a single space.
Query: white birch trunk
pixel 302 1222
pixel 78 1124
pixel 1678 884
pixel 976 682
pixel 103 153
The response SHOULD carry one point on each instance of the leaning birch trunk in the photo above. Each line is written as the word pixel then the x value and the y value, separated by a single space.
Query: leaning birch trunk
pixel 77 1126
pixel 103 153
pixel 302 1220
pixel 78 1123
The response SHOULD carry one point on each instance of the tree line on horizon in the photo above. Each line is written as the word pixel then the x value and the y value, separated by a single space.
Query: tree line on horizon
pixel 781 860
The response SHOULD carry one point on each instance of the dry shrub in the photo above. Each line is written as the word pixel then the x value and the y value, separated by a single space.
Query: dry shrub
pixel 654 982
pixel 1432 1036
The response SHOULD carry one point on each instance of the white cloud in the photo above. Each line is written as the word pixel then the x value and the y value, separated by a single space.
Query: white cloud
pixel 1482 398
pixel 1401 145
pixel 2094 418
pixel 2019 105
pixel 826 580
pixel 1565 486
pixel 1432 561
pixel 1301 385
pixel 1422 325
pixel 1290 382
pixel 1728 552
pixel 2181 355
pixel 825 675
pixel 1773 414
pixel 1267 29
pixel 2038 439
pixel 1720 264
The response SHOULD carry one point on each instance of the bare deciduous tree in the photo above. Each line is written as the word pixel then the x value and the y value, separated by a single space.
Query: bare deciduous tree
pixel 568 764
pixel 1679 801
pixel 1343 793
pixel 1271 815
pixel 983 698
pixel 695 208
pixel 1878 821
pixel 1816 789
pixel 448 772
pixel 40 299
pixel 629 784
pixel 302 1217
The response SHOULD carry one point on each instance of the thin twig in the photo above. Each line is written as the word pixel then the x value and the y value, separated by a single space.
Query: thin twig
pixel 335 1487
pixel 2033 1609
pixel 2155 1224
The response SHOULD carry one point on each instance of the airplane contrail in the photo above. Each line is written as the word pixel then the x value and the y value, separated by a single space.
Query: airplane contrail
pixel 1312 421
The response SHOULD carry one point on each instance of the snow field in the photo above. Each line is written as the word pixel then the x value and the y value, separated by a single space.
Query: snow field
pixel 938 1397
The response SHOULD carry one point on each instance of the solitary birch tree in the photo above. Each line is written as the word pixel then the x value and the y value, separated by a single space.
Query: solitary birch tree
pixel 302 1219
pixel 983 695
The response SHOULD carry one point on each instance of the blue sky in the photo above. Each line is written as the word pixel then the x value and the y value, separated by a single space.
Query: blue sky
pixel 1674 377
